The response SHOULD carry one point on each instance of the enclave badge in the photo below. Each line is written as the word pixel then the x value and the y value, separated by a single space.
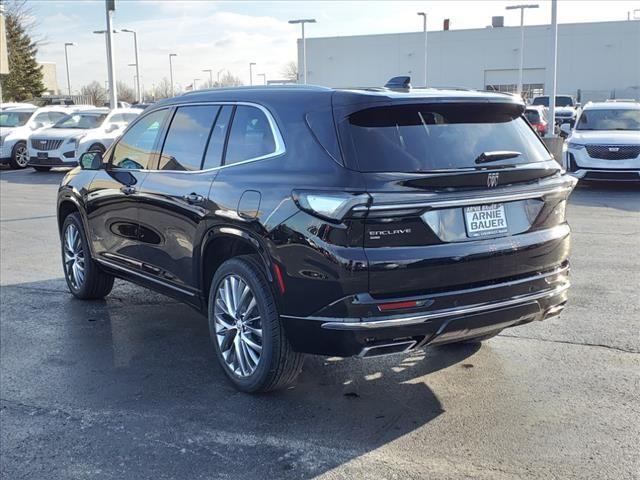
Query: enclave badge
pixel 492 179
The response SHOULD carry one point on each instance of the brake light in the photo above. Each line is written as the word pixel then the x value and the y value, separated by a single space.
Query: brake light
pixel 332 206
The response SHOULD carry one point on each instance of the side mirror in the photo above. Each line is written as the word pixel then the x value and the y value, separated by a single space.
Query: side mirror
pixel 111 127
pixel 91 161
pixel 565 130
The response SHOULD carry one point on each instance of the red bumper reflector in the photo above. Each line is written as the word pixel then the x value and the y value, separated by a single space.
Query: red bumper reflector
pixel 276 269
pixel 384 307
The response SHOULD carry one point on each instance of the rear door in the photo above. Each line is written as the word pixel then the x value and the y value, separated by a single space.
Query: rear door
pixel 449 184
pixel 174 200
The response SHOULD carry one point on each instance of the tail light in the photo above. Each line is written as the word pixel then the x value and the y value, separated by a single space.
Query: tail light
pixel 331 206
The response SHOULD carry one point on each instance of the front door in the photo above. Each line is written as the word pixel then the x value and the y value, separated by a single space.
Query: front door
pixel 113 197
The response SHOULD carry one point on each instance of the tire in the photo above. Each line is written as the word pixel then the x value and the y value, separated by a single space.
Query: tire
pixel 277 365
pixel 42 169
pixel 93 283
pixel 97 147
pixel 19 155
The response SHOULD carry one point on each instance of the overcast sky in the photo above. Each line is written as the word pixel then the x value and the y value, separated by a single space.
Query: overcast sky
pixel 229 35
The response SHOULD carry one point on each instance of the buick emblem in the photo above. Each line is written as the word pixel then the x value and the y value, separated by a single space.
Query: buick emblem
pixel 614 149
pixel 492 179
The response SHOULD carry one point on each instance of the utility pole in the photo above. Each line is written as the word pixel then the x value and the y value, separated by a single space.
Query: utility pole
pixel 135 45
pixel 554 65
pixel 66 59
pixel 251 64
pixel 521 69
pixel 210 76
pixel 113 94
pixel 171 55
pixel 302 21
pixel 424 29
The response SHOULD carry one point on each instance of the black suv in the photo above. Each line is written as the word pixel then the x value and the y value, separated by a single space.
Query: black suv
pixel 334 222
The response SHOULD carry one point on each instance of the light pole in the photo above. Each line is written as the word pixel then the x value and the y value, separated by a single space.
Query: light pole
pixel 251 64
pixel 111 76
pixel 171 70
pixel 302 21
pixel 194 83
pixel 520 71
pixel 210 76
pixel 554 64
pixel 135 45
pixel 136 80
pixel 424 28
pixel 219 72
pixel 66 59
pixel 264 77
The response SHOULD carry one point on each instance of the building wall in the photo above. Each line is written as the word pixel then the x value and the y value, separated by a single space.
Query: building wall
pixel 591 56
pixel 50 78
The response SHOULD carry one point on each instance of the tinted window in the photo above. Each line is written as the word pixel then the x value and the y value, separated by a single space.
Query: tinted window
pixel 614 119
pixel 422 138
pixel 533 116
pixel 213 157
pixel 250 136
pixel 188 134
pixel 135 149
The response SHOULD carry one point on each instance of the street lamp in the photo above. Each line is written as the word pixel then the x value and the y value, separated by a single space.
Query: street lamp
pixel 136 80
pixel 302 21
pixel 135 45
pixel 251 72
pixel 219 72
pixel 194 83
pixel 113 94
pixel 521 8
pixel 171 70
pixel 264 77
pixel 424 28
pixel 210 76
pixel 66 59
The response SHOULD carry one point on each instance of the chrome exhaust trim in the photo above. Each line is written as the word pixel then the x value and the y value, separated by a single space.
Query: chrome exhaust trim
pixel 387 349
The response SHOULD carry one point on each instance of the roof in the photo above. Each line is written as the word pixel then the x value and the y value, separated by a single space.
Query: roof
pixel 20 109
pixel 94 111
pixel 612 106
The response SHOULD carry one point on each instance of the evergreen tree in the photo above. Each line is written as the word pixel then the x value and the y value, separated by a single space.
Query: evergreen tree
pixel 24 80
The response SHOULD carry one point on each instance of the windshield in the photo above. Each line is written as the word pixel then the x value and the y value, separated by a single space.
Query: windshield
pixel 614 119
pixel 81 121
pixel 561 101
pixel 423 138
pixel 14 119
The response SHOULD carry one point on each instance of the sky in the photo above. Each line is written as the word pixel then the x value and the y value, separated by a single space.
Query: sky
pixel 218 35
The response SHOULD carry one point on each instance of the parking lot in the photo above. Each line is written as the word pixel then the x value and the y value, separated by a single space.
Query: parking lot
pixel 128 387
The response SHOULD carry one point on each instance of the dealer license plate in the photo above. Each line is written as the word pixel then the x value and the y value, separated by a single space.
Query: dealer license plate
pixel 485 220
pixel 43 155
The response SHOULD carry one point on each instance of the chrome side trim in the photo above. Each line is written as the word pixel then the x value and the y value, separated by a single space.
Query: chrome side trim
pixel 450 312
pixel 142 275
pixel 508 196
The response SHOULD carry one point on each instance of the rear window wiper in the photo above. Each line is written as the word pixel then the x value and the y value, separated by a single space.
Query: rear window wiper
pixel 497 155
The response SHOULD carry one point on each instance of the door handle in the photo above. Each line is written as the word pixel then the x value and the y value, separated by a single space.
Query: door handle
pixel 128 190
pixel 194 198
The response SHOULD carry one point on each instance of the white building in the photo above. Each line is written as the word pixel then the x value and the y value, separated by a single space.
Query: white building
pixel 595 60
pixel 50 78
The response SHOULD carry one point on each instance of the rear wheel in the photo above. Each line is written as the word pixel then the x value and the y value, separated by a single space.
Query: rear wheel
pixel 42 169
pixel 84 278
pixel 244 324
pixel 19 155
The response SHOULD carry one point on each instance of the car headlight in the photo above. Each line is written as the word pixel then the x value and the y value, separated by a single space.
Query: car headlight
pixel 575 146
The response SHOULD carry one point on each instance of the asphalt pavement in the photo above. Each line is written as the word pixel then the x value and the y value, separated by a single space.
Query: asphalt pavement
pixel 128 388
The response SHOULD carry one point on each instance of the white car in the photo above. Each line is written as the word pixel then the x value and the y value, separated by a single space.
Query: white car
pixel 17 124
pixel 605 144
pixel 87 130
pixel 566 111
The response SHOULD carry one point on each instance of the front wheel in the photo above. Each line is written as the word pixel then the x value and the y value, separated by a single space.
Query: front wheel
pixel 19 155
pixel 244 324
pixel 84 278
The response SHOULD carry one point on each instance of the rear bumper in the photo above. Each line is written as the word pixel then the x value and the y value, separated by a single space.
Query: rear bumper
pixel 442 318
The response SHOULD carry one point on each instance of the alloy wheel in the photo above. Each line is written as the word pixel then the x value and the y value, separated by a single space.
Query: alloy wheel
pixel 238 326
pixel 74 258
pixel 22 156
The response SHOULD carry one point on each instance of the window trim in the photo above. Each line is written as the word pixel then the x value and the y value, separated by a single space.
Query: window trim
pixel 277 136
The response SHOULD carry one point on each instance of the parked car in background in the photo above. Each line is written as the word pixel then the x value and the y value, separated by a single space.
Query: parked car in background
pixel 537 116
pixel 87 130
pixel 567 109
pixel 324 221
pixel 605 144
pixel 17 124
pixel 16 104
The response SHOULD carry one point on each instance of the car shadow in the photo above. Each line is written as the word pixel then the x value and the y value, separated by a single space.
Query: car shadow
pixel 141 356
pixel 622 196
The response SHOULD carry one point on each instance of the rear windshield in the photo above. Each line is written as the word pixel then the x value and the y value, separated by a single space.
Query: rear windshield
pixel 423 138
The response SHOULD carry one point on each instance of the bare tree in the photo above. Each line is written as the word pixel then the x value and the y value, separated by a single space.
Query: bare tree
pixel 228 80
pixel 290 71
pixel 96 93
pixel 125 93
pixel 162 90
